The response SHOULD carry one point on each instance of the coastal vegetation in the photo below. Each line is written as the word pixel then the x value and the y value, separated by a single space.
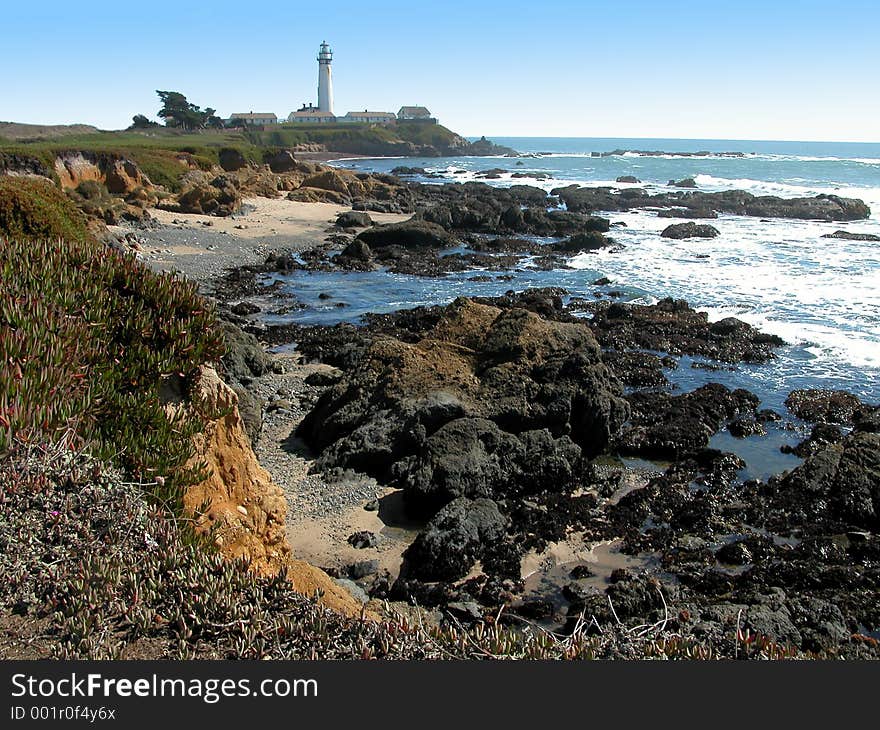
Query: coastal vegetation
pixel 34 208
pixel 166 154
pixel 93 343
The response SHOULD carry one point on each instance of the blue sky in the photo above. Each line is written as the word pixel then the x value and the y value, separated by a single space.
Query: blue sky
pixel 801 70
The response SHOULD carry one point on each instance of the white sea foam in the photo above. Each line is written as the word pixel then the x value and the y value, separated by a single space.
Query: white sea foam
pixel 871 195
pixel 819 294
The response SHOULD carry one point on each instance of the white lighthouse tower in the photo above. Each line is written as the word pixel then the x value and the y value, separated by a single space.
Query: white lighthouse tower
pixel 325 79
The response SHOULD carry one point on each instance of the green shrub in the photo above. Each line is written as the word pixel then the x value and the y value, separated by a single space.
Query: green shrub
pixel 89 339
pixel 92 190
pixel 32 207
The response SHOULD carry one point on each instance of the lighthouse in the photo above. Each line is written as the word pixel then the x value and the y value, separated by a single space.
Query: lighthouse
pixel 325 79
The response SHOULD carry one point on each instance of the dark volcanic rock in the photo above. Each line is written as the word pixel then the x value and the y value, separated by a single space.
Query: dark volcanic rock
pixel 637 369
pixel 736 202
pixel 409 234
pixel 454 540
pixel 627 179
pixel 251 410
pixel 475 207
pixel 689 230
pixel 746 426
pixel 687 182
pixel 245 358
pixel 363 539
pixel 356 256
pixel 670 426
pixel 590 241
pixel 243 309
pixel 850 236
pixel 833 406
pixel 322 378
pixel 472 457
pixel 686 213
pixel 822 435
pixel 838 484
pixel 354 219
pixel 518 389
pixel 672 326
pixel 404 170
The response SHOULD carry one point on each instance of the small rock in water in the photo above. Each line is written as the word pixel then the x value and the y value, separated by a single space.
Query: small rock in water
pixel 736 553
pixel 372 505
pixel 746 426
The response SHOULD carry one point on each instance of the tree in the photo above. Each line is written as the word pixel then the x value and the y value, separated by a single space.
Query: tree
pixel 139 121
pixel 178 112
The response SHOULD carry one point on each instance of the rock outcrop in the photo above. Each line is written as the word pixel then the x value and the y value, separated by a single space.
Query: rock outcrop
pixel 689 230
pixel 354 219
pixel 231 159
pixel 852 236
pixel 828 406
pixel 119 175
pixel 671 426
pixel 672 326
pixel 488 401
pixel 281 161
pixel 408 234
pixel 219 196
pixel 838 486
pixel 736 202
pixel 455 538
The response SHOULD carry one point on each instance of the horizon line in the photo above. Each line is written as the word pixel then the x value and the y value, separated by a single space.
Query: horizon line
pixel 692 139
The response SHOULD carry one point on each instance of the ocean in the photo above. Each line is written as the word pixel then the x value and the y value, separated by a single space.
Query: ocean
pixel 821 295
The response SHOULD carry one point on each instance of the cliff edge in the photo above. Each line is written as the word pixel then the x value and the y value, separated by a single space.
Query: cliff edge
pixel 240 506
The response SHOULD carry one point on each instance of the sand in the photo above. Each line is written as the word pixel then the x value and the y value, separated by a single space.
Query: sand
pixel 322 513
pixel 202 247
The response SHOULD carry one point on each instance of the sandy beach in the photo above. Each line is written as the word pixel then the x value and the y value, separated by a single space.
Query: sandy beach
pixel 202 247
pixel 323 512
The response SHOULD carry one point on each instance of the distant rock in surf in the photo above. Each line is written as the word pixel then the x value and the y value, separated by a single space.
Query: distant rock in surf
pixel 689 230
pixel 850 236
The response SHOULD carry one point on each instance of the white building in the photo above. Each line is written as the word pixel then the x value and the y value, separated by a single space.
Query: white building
pixel 367 117
pixel 411 113
pixel 255 119
pixel 312 114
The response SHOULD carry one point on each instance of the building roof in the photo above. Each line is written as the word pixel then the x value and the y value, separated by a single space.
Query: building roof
pixel 415 111
pixel 366 113
pixel 254 115
pixel 312 113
